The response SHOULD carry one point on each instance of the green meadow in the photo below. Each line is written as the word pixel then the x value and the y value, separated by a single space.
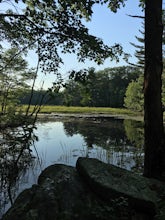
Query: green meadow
pixel 48 109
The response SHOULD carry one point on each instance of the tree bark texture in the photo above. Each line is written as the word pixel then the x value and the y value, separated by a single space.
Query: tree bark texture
pixel 154 163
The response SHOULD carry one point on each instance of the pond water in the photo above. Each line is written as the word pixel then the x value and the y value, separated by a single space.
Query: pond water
pixel 25 152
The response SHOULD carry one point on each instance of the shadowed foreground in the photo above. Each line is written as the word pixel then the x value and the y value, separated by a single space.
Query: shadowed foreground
pixel 92 190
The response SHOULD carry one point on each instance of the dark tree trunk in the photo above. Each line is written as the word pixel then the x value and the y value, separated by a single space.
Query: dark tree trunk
pixel 154 163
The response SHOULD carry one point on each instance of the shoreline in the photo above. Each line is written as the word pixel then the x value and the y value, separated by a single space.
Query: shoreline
pixel 86 115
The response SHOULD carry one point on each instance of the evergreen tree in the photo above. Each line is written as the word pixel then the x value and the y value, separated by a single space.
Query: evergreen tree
pixel 139 51
pixel 138 84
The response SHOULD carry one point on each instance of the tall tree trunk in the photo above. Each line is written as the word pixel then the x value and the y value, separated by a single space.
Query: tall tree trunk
pixel 154 163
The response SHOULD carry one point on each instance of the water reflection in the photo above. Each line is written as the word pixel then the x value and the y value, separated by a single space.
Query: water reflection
pixel 135 133
pixel 15 157
pixel 98 132
pixel 115 141
pixel 118 142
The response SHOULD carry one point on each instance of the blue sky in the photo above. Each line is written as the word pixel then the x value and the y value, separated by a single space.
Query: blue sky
pixel 111 28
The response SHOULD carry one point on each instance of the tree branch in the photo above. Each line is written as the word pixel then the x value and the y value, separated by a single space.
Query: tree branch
pixel 136 16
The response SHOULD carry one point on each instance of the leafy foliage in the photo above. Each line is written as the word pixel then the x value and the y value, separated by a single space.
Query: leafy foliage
pixel 51 27
pixel 103 88
pixel 14 78
pixel 134 98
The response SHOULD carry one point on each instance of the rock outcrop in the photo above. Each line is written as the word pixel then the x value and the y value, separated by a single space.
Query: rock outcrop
pixel 91 191
pixel 111 182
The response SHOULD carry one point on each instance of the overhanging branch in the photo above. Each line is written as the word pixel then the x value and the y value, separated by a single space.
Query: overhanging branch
pixel 136 16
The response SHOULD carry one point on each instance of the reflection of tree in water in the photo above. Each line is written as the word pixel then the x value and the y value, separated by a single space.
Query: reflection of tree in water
pixel 135 133
pixel 101 132
pixel 120 142
pixel 15 157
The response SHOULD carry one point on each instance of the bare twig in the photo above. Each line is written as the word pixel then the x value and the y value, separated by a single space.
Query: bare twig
pixel 136 16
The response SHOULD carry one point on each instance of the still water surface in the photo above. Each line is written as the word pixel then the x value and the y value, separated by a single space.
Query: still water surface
pixel 25 152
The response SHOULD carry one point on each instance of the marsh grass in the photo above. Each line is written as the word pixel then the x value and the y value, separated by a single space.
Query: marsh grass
pixel 48 109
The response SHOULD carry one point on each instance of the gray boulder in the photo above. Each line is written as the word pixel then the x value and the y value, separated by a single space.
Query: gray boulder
pixel 61 195
pixel 111 182
pixel 95 191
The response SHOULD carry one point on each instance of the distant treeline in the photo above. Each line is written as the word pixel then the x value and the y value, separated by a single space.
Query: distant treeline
pixel 42 97
pixel 106 88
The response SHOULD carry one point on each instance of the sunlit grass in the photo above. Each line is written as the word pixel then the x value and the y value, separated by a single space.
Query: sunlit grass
pixel 83 110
